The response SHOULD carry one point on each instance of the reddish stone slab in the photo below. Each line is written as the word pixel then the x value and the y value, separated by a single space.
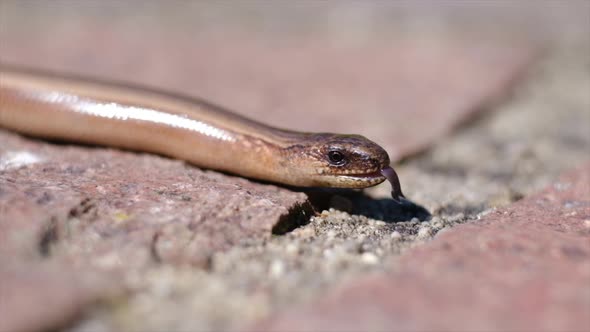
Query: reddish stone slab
pixel 116 209
pixel 43 297
pixel 385 90
pixel 67 213
pixel 135 208
pixel 522 268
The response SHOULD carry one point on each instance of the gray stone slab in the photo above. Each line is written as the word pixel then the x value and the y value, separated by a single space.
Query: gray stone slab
pixel 522 268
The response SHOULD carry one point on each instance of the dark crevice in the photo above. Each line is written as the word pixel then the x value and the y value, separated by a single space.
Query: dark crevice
pixel 82 208
pixel 49 236
pixel 154 254
pixel 297 216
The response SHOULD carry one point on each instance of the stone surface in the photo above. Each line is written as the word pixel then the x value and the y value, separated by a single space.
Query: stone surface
pixel 41 296
pixel 176 283
pixel 69 215
pixel 177 212
pixel 522 268
pixel 129 208
pixel 377 89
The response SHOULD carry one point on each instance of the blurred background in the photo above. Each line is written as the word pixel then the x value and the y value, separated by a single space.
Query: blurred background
pixel 479 104
pixel 387 69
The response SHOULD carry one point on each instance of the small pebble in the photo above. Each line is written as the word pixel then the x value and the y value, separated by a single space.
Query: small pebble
pixel 457 218
pixel 292 249
pixel 369 258
pixel 305 232
pixel 424 232
pixel 395 235
pixel 277 269
pixel 328 253
pixel 436 222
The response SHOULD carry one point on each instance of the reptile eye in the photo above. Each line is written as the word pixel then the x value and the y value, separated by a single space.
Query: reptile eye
pixel 336 158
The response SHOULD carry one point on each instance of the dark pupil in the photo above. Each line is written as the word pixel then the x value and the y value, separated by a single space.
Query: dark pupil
pixel 335 156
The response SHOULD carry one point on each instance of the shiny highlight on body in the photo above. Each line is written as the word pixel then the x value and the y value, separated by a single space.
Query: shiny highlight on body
pixel 141 119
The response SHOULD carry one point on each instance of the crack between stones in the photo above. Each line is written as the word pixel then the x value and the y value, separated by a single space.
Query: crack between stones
pixel 52 232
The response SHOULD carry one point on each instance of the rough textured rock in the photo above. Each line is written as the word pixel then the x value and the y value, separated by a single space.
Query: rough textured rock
pixel 133 200
pixel 374 89
pixel 71 215
pixel 523 268
pixel 70 208
pixel 79 201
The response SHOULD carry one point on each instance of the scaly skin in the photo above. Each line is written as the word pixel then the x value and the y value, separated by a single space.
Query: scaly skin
pixel 142 119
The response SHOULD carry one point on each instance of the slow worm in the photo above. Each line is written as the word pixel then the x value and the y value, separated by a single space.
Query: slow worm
pixel 79 110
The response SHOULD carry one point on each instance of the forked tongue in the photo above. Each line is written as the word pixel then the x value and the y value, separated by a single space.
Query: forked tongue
pixel 396 189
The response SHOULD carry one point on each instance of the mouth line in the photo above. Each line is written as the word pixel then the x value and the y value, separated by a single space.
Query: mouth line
pixel 371 175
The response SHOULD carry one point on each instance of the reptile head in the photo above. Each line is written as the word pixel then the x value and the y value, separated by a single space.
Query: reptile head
pixel 340 161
